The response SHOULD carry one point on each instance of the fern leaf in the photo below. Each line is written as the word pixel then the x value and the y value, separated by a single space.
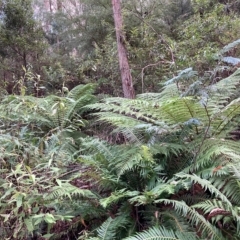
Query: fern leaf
pixel 205 185
pixel 231 60
pixel 206 229
pixel 116 196
pixel 81 90
pixel 210 205
pixel 230 46
pixel 183 75
pixel 161 233
pixel 67 190
pixel 110 228
pixel 105 231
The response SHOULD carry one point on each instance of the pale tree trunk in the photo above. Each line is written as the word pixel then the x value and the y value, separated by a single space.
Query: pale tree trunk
pixel 50 6
pixel 126 76
pixel 59 5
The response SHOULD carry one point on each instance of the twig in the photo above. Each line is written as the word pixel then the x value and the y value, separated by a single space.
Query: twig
pixel 151 65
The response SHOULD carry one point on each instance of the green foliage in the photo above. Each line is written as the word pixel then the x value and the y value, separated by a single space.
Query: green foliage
pixel 21 41
pixel 205 33
pixel 162 166
pixel 33 166
pixel 153 125
pixel 160 234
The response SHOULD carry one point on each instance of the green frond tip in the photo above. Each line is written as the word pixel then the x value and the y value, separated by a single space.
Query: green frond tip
pixel 81 90
pixel 106 230
pixel 183 75
pixel 230 46
pixel 109 229
pixel 161 233
pixel 116 196
pixel 67 190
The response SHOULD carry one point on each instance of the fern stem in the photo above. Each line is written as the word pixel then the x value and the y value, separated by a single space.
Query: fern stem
pixel 204 137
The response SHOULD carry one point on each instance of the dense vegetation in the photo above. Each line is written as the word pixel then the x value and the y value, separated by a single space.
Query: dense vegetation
pixel 79 161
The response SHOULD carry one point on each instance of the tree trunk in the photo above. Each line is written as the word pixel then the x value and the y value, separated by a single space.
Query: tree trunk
pixel 59 5
pixel 126 76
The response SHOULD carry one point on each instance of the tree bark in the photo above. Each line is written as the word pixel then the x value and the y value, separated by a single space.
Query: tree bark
pixel 126 76
pixel 59 5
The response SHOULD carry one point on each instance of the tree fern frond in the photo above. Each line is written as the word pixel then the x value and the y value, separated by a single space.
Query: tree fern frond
pixel 137 108
pixel 231 60
pixel 95 146
pixel 190 199
pixel 221 119
pixel 214 152
pixel 220 207
pixel 183 75
pixel 161 233
pixel 171 220
pixel 225 90
pixel 169 91
pixel 112 227
pixel 117 120
pixel 229 186
pixel 106 231
pixel 230 46
pixel 69 191
pixel 205 185
pixel 81 90
pixel 116 196
pixel 205 228
pixel 180 110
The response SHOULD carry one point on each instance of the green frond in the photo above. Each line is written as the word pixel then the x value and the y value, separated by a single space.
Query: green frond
pixel 138 157
pixel 221 119
pixel 117 119
pixel 205 227
pixel 215 208
pixel 161 190
pixel 206 185
pixel 212 153
pixel 183 75
pixel 111 228
pixel 67 190
pixel 139 109
pixel 229 185
pixel 116 196
pixel 161 233
pixel 225 90
pixel 190 199
pixel 169 91
pixel 81 90
pixel 51 111
pixel 230 46
pixel 181 110
pixel 171 220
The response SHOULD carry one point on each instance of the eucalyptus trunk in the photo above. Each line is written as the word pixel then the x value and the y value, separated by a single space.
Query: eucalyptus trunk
pixel 126 76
